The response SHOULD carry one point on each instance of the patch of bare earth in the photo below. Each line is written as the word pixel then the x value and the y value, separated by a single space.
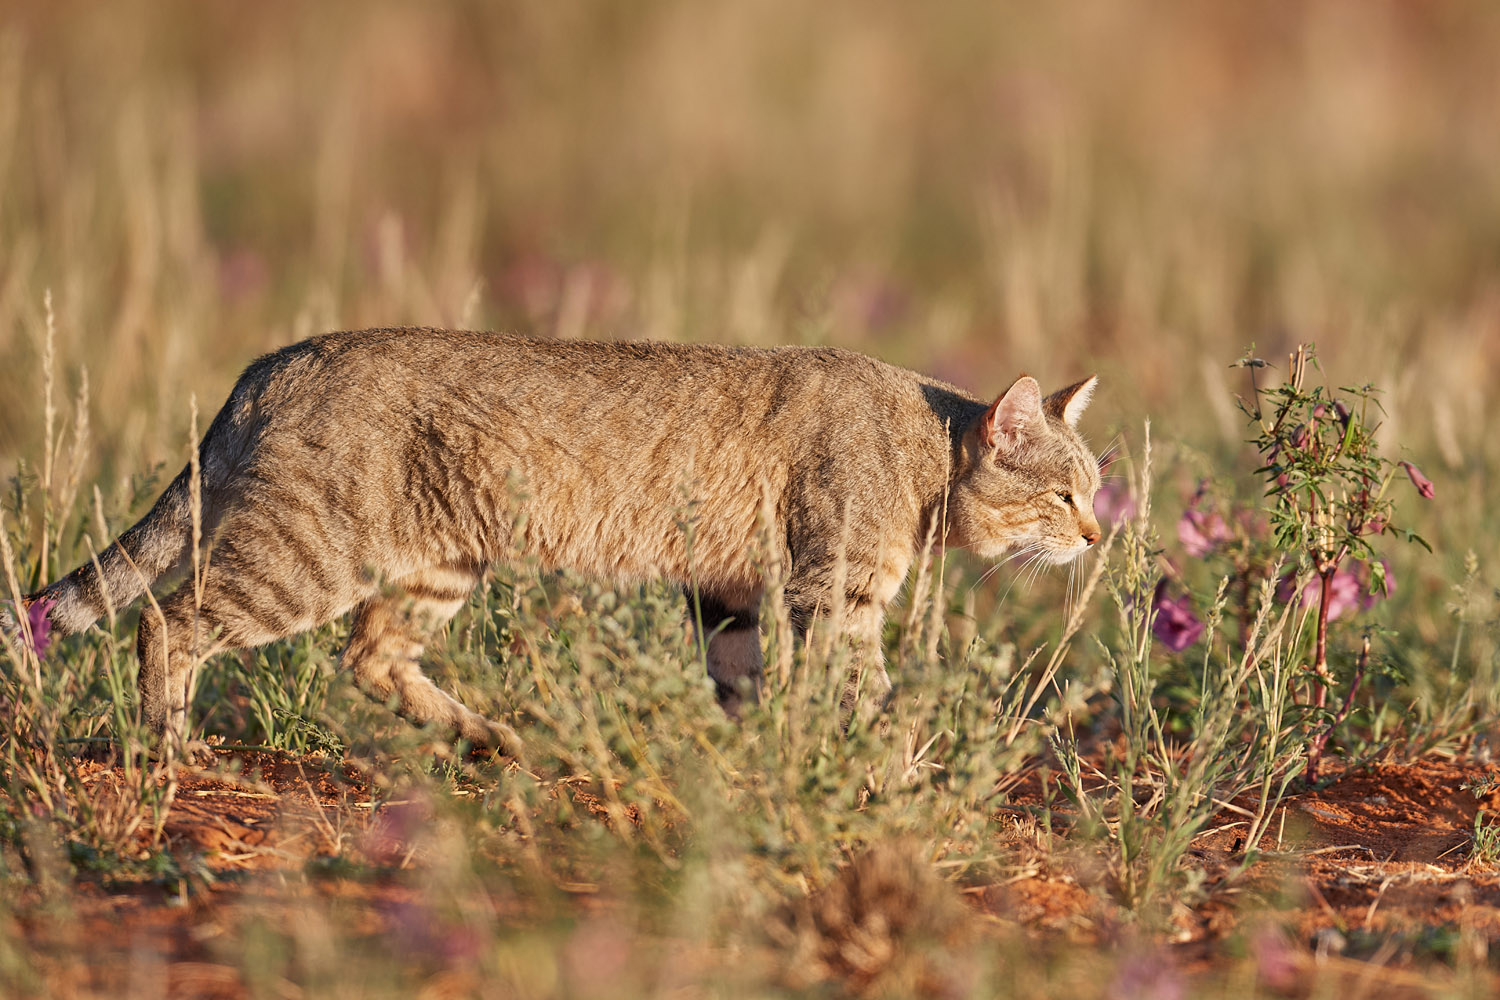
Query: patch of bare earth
pixel 1370 879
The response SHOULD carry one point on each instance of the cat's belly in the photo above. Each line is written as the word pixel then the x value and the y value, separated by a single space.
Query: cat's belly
pixel 640 544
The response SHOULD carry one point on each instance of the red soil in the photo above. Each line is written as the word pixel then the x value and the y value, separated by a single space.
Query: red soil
pixel 1372 876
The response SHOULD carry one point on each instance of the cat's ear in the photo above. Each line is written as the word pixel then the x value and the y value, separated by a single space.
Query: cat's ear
pixel 1013 417
pixel 1068 404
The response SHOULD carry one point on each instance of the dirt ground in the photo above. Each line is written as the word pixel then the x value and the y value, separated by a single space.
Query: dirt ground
pixel 1371 878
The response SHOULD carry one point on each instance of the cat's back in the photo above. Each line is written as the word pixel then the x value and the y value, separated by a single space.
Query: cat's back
pixel 430 370
pixel 425 436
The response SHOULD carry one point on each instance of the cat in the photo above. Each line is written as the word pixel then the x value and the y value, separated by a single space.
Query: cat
pixel 382 471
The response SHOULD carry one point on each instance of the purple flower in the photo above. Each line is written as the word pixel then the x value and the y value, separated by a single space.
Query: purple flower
pixel 1350 588
pixel 1201 531
pixel 41 625
pixel 417 927
pixel 1146 976
pixel 1275 960
pixel 1176 626
pixel 1343 593
pixel 1113 503
pixel 1421 482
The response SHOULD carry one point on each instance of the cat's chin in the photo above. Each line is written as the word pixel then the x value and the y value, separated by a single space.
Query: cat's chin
pixel 1061 557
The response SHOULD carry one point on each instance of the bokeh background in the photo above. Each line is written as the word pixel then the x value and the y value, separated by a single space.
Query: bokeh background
pixel 975 188
pixel 1142 189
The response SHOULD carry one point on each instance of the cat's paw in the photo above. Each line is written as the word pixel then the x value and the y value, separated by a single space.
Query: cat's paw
pixel 193 753
pixel 196 753
pixel 488 738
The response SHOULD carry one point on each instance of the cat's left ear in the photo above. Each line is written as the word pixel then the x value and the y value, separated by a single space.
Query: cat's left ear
pixel 1068 404
pixel 1014 417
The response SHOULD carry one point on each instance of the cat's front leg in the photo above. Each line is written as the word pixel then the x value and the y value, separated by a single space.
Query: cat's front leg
pixel 815 601
pixel 859 625
pixel 867 687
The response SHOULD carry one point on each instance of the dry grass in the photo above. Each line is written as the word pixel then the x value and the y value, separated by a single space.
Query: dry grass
pixel 974 189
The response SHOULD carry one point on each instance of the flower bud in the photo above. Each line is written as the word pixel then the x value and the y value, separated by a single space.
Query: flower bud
pixel 1421 482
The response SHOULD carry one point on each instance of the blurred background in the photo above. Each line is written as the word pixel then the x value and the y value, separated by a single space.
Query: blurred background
pixel 975 189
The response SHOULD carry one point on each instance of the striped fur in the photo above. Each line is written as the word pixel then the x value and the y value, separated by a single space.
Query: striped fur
pixel 380 472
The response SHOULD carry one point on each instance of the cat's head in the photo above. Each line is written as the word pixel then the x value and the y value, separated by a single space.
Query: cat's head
pixel 1024 479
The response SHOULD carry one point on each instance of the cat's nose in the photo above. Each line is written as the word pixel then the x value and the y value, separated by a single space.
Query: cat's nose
pixel 1091 536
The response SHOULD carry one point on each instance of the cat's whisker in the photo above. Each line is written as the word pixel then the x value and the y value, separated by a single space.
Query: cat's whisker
pixel 986 575
pixel 1025 550
pixel 1028 564
pixel 1108 454
pixel 1044 565
pixel 1033 553
pixel 1034 566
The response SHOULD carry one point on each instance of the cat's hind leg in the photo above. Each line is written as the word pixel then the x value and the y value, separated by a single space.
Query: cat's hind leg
pixel 736 663
pixel 389 635
pixel 232 608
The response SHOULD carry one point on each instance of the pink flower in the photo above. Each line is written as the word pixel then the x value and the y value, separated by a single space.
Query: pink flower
pixel 1275 959
pixel 1201 531
pixel 397 828
pixel 1176 626
pixel 1271 463
pixel 41 625
pixel 1349 589
pixel 1343 593
pixel 1113 503
pixel 418 928
pixel 1421 482
pixel 1251 523
pixel 595 958
pixel 1146 976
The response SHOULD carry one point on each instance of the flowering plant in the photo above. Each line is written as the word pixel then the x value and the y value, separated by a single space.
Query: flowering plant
pixel 1329 497
pixel 1328 501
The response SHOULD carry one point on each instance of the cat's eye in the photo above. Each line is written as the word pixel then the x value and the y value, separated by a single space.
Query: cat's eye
pixel 1065 497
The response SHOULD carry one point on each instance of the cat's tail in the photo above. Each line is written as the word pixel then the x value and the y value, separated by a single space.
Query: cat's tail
pixel 146 551
pixel 125 570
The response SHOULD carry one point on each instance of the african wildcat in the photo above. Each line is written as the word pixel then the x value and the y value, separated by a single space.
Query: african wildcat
pixel 381 471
